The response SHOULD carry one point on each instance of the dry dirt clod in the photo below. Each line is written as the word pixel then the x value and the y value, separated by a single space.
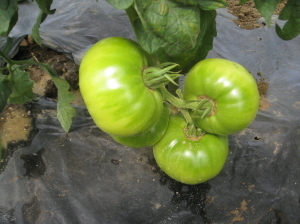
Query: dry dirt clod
pixel 263 87
pixel 248 14
pixel 15 124
pixel 64 67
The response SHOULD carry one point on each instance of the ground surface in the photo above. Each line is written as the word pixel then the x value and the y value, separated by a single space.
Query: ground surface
pixel 16 121
pixel 247 14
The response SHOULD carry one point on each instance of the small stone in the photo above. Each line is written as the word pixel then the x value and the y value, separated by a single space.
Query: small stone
pixel 23 43
pixel 256 25
pixel 30 39
pixel 241 15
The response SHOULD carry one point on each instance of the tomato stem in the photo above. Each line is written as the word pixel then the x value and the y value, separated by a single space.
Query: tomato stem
pixel 11 63
pixel 202 107
pixel 161 75
pixel 189 109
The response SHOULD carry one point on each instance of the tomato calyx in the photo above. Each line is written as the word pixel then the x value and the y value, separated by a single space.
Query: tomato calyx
pixel 206 107
pixel 189 109
pixel 201 107
pixel 193 133
pixel 213 106
pixel 161 75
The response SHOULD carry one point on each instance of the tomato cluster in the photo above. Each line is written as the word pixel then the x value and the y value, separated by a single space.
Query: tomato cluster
pixel 127 98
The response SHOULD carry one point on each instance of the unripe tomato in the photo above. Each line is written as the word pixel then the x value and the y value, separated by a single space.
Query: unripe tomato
pixel 190 160
pixel 147 138
pixel 112 87
pixel 232 89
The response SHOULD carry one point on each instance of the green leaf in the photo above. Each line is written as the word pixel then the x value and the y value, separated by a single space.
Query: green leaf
pixel 148 39
pixel 290 12
pixel 214 4
pixel 8 45
pixel 45 6
pixel 166 29
pixel 286 12
pixel 5 91
pixel 243 1
pixel 188 2
pixel 266 8
pixel 65 112
pixel 45 9
pixel 8 16
pixel 204 42
pixel 21 86
pixel 35 29
pixel 205 4
pixel 120 4
pixel 0 150
pixel 180 30
pixel 173 33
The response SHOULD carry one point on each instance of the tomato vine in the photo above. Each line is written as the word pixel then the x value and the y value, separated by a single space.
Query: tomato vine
pixel 177 31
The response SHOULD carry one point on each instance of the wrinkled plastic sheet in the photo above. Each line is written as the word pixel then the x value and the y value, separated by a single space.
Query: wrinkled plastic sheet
pixel 74 26
pixel 85 177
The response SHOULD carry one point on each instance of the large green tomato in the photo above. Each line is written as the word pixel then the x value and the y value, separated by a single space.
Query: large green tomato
pixel 190 161
pixel 147 138
pixel 111 84
pixel 232 89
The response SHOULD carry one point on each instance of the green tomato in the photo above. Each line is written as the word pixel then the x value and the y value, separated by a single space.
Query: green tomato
pixel 187 160
pixel 232 89
pixel 147 138
pixel 112 87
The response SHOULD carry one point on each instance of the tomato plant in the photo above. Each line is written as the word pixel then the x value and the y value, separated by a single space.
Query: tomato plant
pixel 169 30
pixel 147 138
pixel 111 84
pixel 230 87
pixel 16 87
pixel 190 160
pixel 125 96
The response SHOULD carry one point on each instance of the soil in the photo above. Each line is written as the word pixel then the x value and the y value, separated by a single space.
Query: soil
pixel 63 66
pixel 263 86
pixel 247 15
pixel 15 121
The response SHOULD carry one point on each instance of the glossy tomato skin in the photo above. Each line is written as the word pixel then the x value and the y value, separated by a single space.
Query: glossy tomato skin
pixel 111 84
pixel 190 161
pixel 147 138
pixel 231 87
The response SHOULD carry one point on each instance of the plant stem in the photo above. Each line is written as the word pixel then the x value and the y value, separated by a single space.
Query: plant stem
pixel 8 61
pixel 132 15
pixel 179 103
pixel 12 62
pixel 199 107
pixel 5 57
pixel 2 69
pixel 161 75
pixel 140 16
